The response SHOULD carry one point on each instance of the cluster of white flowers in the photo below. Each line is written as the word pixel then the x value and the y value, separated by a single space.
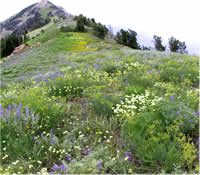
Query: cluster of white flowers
pixel 135 104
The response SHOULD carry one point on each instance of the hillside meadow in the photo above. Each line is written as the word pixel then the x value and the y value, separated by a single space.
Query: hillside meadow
pixel 78 104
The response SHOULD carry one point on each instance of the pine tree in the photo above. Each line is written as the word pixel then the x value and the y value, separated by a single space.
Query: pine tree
pixel 158 43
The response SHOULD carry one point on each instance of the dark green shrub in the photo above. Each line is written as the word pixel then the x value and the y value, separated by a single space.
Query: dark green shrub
pixel 67 29
pixel 110 68
pixel 100 30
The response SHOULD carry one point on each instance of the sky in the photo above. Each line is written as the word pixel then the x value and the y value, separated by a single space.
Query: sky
pixel 165 18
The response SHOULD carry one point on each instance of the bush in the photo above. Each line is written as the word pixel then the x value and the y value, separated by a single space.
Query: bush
pixel 103 104
pixel 154 147
pixel 66 29
pixel 100 30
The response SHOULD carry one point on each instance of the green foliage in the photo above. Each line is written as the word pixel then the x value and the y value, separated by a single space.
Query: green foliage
pixel 103 104
pixel 158 43
pixel 9 43
pixel 67 88
pixel 100 30
pixel 176 45
pixel 66 29
pixel 127 38
pixel 97 109
pixel 155 148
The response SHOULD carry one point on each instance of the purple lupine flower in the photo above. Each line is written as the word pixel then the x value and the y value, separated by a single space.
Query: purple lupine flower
pixel 90 149
pixel 128 155
pixel 191 121
pixel 51 131
pixel 68 157
pixel 42 135
pixel 1 106
pixel 63 167
pixel 197 114
pixel 55 167
pixel 20 105
pixel 27 111
pixel 99 163
pixel 9 107
pixel 172 97
pixel 1 110
pixel 35 138
pixel 15 107
pixel 184 116
pixel 53 141
pixel 181 76
pixel 18 113
pixel 172 111
pixel 46 80
pixel 178 113
pixel 31 112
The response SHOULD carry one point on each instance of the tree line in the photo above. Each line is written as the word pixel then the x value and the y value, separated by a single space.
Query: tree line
pixel 9 43
pixel 82 22
pixel 123 37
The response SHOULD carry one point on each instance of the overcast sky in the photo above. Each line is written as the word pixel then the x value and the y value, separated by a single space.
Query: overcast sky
pixel 178 18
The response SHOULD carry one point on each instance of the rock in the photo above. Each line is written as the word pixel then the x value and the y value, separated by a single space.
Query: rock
pixel 38 44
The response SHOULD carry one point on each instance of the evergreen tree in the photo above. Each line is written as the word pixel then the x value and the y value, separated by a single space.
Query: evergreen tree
pixel 9 43
pixel 177 46
pixel 80 25
pixel 173 44
pixel 127 38
pixel 158 43
pixel 100 30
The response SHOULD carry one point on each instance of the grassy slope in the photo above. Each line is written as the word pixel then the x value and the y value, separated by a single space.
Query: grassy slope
pixel 107 74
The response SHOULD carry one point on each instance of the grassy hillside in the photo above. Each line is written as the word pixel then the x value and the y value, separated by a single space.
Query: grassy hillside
pixel 78 104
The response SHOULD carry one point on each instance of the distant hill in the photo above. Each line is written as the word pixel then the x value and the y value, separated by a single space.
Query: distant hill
pixel 32 17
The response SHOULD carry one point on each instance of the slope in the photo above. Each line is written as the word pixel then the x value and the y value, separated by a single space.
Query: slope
pixel 80 105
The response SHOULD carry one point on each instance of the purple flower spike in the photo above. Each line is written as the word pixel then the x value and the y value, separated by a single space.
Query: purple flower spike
pixel 51 131
pixel 15 107
pixel 2 112
pixel 35 138
pixel 27 111
pixel 53 141
pixel 20 105
pixel 191 121
pixel 42 135
pixel 9 107
pixel 99 163
pixel 62 167
pixel 68 157
pixel 18 113
pixel 172 97
pixel 181 76
pixel 1 106
pixel 55 167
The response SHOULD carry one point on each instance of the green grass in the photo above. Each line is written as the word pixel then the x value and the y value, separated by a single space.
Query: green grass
pixel 94 106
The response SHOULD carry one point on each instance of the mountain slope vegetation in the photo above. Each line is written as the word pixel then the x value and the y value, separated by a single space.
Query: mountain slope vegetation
pixel 78 104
